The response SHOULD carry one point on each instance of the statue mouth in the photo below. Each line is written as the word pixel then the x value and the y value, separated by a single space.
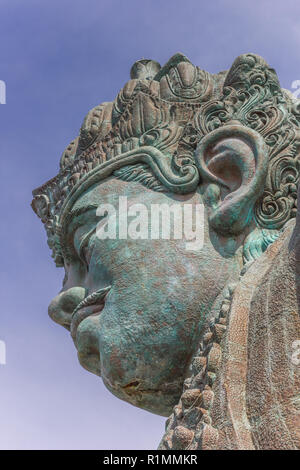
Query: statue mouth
pixel 92 305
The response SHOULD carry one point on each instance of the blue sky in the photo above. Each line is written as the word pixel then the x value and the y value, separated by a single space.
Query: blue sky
pixel 60 58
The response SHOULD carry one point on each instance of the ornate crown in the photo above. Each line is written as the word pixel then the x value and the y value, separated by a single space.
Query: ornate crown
pixel 159 117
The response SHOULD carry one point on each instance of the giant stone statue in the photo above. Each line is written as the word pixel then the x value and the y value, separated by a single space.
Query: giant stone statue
pixel 208 337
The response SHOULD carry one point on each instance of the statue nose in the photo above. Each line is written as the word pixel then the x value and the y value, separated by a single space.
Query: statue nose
pixel 63 305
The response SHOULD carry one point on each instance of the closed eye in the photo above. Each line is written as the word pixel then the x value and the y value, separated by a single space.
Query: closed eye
pixel 84 244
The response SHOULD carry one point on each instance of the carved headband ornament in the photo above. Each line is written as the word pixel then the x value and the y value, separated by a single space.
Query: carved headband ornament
pixel 159 118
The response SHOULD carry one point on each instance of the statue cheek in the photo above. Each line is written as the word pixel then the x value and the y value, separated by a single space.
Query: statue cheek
pixel 99 271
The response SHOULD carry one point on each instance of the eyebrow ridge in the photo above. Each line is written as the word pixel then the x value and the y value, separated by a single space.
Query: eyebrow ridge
pixel 81 210
pixel 77 212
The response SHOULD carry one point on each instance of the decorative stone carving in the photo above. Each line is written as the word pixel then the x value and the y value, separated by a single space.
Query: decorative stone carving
pixel 208 334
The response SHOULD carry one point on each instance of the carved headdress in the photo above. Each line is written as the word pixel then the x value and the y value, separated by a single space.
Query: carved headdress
pixel 158 119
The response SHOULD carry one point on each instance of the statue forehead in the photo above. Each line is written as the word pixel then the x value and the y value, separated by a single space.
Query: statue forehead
pixel 109 191
pixel 110 188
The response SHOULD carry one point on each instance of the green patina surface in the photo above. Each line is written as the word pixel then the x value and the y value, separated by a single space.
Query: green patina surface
pixel 139 310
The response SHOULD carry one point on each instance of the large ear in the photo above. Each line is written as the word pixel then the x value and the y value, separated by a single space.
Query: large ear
pixel 232 161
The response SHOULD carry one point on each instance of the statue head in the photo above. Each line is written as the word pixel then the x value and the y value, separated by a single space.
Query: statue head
pixel 175 137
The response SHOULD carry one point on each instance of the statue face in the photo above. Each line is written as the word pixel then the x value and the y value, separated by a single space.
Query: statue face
pixel 137 307
pixel 160 297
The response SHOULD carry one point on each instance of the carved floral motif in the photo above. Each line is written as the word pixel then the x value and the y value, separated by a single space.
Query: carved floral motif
pixel 171 111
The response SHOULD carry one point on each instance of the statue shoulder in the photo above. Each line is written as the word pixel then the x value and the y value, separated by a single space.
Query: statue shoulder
pixel 273 329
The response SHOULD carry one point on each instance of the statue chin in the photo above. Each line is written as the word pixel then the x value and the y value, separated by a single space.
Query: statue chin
pixel 160 401
pixel 155 387
pixel 137 392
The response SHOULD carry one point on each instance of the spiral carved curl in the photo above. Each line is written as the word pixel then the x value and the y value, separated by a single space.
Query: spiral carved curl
pixel 252 95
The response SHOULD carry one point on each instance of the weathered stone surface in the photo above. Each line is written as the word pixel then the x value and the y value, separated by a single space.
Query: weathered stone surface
pixel 191 397
pixel 207 335
pixel 182 437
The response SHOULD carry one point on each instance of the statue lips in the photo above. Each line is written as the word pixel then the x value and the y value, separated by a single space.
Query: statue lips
pixel 93 304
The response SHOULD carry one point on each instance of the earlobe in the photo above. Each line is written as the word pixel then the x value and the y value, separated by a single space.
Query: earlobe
pixel 233 162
